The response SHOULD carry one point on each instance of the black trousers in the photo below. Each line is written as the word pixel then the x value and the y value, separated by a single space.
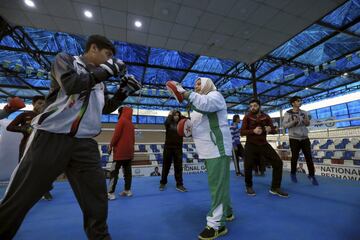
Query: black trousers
pixel 259 165
pixel 21 149
pixel 169 155
pixel 47 156
pixel 253 152
pixel 239 152
pixel 114 174
pixel 305 146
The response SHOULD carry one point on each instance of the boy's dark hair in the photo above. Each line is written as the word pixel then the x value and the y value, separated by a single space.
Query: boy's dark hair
pixel 101 42
pixel 236 116
pixel 293 99
pixel 173 115
pixel 37 98
pixel 255 101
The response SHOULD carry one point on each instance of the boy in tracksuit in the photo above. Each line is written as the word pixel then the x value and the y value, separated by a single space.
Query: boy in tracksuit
pixel 297 120
pixel 255 126
pixel 122 146
pixel 211 134
pixel 62 138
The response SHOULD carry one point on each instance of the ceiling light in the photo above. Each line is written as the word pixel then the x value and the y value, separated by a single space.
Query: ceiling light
pixel 88 14
pixel 29 3
pixel 138 24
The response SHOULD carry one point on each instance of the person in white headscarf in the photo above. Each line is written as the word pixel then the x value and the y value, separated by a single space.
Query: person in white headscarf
pixel 212 137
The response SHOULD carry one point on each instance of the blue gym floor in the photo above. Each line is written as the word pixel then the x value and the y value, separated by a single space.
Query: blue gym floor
pixel 329 211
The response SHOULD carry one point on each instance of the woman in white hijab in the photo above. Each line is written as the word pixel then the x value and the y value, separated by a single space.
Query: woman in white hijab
pixel 211 134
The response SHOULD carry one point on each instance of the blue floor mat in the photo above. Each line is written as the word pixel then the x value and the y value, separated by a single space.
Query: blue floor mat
pixel 330 211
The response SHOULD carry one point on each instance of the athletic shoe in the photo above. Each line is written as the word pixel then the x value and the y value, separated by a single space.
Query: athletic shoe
pixel 313 180
pixel 230 217
pixel 240 174
pixel 181 188
pixel 47 196
pixel 250 191
pixel 293 177
pixel 111 196
pixel 210 233
pixel 277 191
pixel 125 193
pixel 162 187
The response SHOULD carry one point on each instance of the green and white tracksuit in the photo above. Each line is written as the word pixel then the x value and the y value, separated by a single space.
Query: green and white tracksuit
pixel 211 134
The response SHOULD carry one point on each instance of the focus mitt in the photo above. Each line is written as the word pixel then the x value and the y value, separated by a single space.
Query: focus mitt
pixel 176 90
pixel 184 127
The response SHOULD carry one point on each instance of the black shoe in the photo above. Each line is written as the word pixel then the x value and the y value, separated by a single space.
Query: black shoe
pixel 250 191
pixel 313 180
pixel 47 196
pixel 209 233
pixel 181 188
pixel 277 191
pixel 230 217
pixel 162 187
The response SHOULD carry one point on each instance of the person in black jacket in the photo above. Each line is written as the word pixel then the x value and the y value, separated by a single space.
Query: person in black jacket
pixel 172 151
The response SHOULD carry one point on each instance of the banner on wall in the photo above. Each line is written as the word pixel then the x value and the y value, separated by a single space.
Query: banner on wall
pixel 321 123
pixel 154 171
pixel 342 172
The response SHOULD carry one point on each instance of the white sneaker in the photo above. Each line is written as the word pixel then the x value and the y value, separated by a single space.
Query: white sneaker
pixel 126 193
pixel 111 196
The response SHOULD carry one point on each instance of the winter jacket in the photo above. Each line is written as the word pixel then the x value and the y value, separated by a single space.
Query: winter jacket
pixel 297 130
pixel 123 140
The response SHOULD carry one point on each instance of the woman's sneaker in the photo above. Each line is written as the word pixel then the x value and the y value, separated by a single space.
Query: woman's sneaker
pixel 210 233
pixel 230 217
pixel 111 196
pixel 126 193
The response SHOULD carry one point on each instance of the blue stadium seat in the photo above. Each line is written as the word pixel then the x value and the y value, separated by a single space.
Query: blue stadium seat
pixel 329 154
pixel 327 144
pixel 342 144
pixel 314 143
pixel 104 148
pixel 154 148
pixel 142 148
pixel 104 160
pixel 348 155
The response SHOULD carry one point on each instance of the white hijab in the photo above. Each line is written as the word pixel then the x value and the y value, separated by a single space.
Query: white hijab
pixel 207 85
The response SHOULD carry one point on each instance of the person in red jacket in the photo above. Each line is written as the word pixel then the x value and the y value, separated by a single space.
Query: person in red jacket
pixel 256 126
pixel 122 146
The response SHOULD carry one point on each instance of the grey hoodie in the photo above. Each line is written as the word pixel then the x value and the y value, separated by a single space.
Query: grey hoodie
pixel 296 131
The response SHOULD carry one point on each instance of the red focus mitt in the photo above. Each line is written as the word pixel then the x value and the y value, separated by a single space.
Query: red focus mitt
pixel 184 127
pixel 176 90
